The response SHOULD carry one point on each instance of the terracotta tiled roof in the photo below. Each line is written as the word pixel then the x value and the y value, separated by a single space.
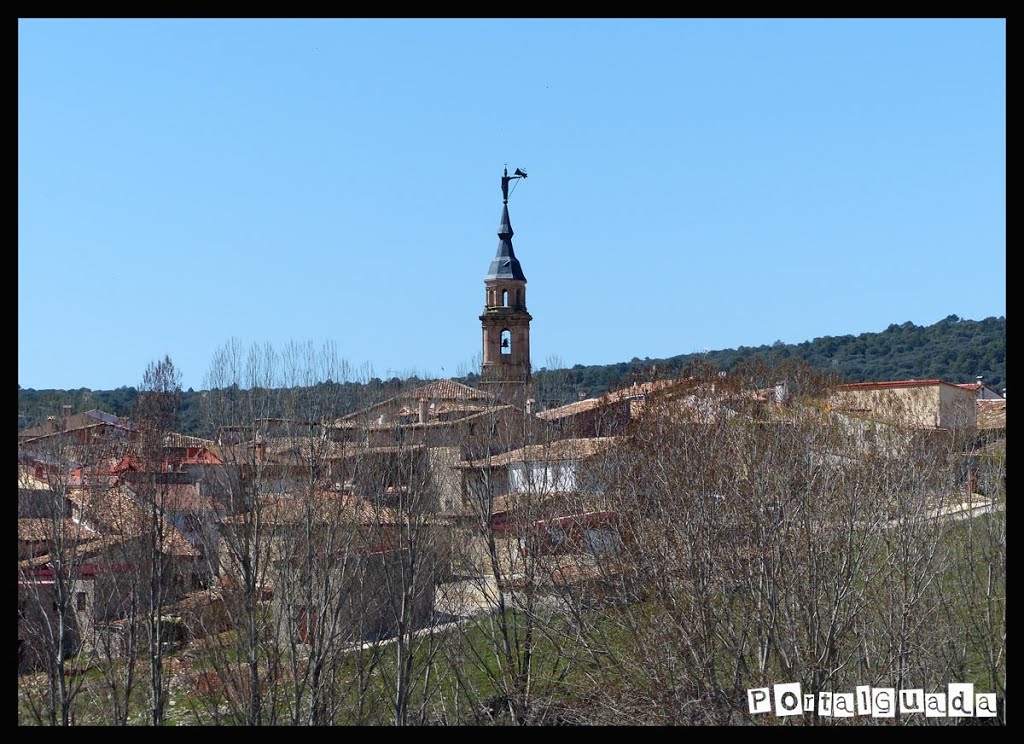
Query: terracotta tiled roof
pixel 978 387
pixel 184 440
pixel 538 507
pixel 324 508
pixel 571 409
pixel 439 390
pixel 38 440
pixel 563 449
pixel 480 413
pixel 298 448
pixel 88 549
pixel 354 449
pixel 115 512
pixel 991 414
pixel 447 390
pixel 35 530
pixel 94 417
pixel 638 390
pixel 183 497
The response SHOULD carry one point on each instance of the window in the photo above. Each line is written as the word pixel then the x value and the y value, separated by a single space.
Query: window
pixel 506 341
pixel 504 298
pixel 80 601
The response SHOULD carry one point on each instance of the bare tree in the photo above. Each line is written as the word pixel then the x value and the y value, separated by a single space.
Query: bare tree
pixel 156 413
pixel 57 475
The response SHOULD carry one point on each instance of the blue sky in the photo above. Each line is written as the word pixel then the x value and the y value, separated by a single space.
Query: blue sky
pixel 694 184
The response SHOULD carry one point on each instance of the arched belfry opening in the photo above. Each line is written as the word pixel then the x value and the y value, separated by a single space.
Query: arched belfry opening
pixel 506 342
pixel 504 298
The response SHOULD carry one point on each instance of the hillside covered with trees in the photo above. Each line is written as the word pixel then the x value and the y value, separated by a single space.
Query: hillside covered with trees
pixel 952 349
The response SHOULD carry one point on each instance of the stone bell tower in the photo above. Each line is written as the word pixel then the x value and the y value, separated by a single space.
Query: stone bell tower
pixel 506 323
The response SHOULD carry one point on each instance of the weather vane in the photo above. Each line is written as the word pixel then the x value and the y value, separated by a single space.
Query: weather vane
pixel 520 173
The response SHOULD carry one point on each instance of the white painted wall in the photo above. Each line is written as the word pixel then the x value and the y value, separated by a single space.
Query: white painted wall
pixel 542 476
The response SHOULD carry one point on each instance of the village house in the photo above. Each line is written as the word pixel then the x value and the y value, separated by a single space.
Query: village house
pixel 609 414
pixel 538 499
pixel 558 466
pixel 919 404
pixel 102 575
pixel 362 552
pixel 81 428
pixel 983 391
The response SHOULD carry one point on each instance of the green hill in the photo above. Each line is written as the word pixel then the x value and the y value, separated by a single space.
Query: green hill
pixel 952 349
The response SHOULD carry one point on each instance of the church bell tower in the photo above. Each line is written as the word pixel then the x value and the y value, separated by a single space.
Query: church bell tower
pixel 506 323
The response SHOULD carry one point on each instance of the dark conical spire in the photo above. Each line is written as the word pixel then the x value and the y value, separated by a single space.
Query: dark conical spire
pixel 505 264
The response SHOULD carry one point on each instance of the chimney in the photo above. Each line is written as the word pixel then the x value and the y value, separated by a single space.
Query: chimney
pixel 424 408
pixel 65 412
pixel 67 409
pixel 261 448
pixel 529 405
